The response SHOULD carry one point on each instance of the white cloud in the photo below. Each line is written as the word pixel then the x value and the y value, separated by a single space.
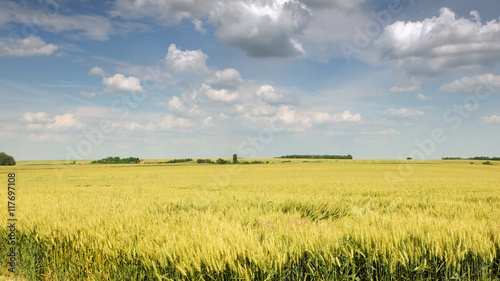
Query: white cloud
pixel 483 82
pixel 346 116
pixel 98 71
pixel 30 46
pixel 121 83
pixel 423 97
pixel 222 95
pixel 261 28
pixel 267 93
pixel 264 110
pixel 35 117
pixel 170 122
pixel 48 137
pixel 227 78
pixel 389 131
pixel 402 113
pixel 65 122
pixel 293 120
pixel 176 105
pixel 198 26
pixel 491 119
pixel 136 127
pixel 439 44
pixel 408 85
pixel 207 121
pixel 186 61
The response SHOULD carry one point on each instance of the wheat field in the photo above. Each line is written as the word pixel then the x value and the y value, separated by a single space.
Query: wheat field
pixel 316 220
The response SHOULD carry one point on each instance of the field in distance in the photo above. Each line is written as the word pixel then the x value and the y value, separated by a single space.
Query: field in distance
pixel 315 220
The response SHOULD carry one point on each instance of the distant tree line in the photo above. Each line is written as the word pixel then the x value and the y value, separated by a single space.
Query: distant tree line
pixel 178 160
pixel 317 156
pixel 202 161
pixel 223 161
pixel 117 160
pixel 472 158
pixel 6 160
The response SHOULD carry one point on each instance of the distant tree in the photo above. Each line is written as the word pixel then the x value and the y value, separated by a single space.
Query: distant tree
pixel 203 161
pixel 117 160
pixel 408 158
pixel 235 159
pixel 6 160
pixel 222 161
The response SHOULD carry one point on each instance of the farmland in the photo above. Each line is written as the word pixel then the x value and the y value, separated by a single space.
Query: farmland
pixel 294 220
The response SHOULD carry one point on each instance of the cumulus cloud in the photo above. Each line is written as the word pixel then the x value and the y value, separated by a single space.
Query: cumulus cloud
pixel 222 95
pixel 442 43
pixel 186 61
pixel 346 116
pixel 207 121
pixel 30 46
pixel 491 119
pixel 302 121
pixel 65 122
pixel 198 26
pixel 98 71
pixel 408 85
pixel 41 120
pixel 293 120
pixel 35 117
pixel 121 83
pixel 137 127
pixel 261 28
pixel 267 93
pixel 264 109
pixel 423 97
pixel 402 113
pixel 488 81
pixel 170 122
pixel 176 105
pixel 228 78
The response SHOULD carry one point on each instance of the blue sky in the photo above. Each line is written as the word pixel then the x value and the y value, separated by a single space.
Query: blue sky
pixel 263 78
